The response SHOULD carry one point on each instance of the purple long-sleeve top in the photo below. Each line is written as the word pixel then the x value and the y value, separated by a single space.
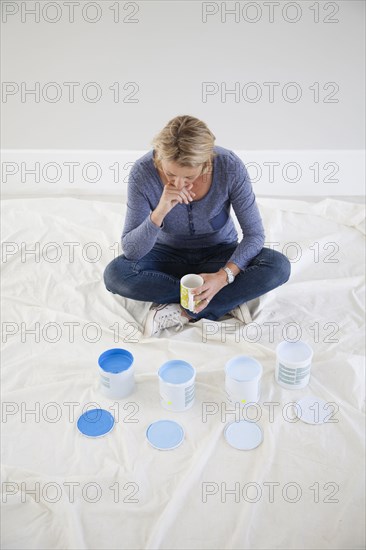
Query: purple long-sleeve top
pixel 202 223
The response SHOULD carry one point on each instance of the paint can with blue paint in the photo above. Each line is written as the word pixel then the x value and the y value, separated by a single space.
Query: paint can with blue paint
pixel 293 364
pixel 242 379
pixel 116 373
pixel 176 385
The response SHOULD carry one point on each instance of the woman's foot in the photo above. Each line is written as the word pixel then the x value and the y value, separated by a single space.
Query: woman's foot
pixel 185 314
pixel 242 314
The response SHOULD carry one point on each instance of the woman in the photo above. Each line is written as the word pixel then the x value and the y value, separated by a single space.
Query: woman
pixel 178 222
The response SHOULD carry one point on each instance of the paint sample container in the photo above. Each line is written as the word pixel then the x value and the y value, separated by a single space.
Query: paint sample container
pixel 176 385
pixel 242 379
pixel 293 364
pixel 116 373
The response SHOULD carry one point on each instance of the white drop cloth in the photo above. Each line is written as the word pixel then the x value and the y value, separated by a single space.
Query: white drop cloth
pixel 163 501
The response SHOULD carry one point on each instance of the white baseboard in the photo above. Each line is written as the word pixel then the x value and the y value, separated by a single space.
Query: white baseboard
pixel 294 173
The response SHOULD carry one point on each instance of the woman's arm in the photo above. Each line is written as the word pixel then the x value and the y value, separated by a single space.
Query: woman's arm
pixel 141 228
pixel 139 232
pixel 243 201
pixel 245 207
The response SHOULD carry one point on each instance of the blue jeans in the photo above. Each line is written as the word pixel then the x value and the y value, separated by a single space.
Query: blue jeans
pixel 156 276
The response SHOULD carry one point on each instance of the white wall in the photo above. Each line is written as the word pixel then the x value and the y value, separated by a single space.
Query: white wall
pixel 169 49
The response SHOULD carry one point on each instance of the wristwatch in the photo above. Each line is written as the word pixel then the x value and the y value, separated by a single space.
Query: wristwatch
pixel 230 274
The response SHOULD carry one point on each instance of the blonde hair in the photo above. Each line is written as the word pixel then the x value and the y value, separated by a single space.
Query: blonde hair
pixel 187 141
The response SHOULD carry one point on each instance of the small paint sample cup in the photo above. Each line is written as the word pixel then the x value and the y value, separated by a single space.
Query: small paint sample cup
pixel 293 364
pixel 176 385
pixel 242 379
pixel 116 373
pixel 187 284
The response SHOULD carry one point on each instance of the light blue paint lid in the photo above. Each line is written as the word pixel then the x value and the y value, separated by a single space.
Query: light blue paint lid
pixel 243 435
pixel 165 434
pixel 115 360
pixel 95 422
pixel 176 372
pixel 243 368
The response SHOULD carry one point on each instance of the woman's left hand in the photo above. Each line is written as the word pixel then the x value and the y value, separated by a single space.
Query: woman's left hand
pixel 214 282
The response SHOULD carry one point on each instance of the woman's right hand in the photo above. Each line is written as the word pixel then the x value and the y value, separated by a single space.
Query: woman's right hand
pixel 171 196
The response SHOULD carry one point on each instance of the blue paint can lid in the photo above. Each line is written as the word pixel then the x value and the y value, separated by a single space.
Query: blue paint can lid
pixel 95 423
pixel 165 434
pixel 243 435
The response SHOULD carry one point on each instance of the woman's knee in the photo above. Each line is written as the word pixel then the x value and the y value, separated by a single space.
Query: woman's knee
pixel 281 267
pixel 116 272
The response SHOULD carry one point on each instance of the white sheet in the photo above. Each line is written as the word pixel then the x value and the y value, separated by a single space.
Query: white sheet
pixel 318 463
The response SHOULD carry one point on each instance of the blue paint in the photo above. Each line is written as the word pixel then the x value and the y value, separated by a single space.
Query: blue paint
pixel 243 368
pixel 294 353
pixel 115 360
pixel 176 372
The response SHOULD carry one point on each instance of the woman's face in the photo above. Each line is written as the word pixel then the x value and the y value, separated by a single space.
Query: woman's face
pixel 180 176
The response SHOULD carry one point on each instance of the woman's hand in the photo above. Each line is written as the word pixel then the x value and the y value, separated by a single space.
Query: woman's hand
pixel 170 197
pixel 214 282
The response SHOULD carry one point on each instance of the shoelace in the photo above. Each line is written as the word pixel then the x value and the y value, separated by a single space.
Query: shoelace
pixel 169 320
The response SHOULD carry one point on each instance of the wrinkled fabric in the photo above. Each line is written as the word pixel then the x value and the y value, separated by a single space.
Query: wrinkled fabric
pixel 303 487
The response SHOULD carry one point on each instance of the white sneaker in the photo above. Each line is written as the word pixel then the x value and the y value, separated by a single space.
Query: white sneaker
pixel 242 313
pixel 163 316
